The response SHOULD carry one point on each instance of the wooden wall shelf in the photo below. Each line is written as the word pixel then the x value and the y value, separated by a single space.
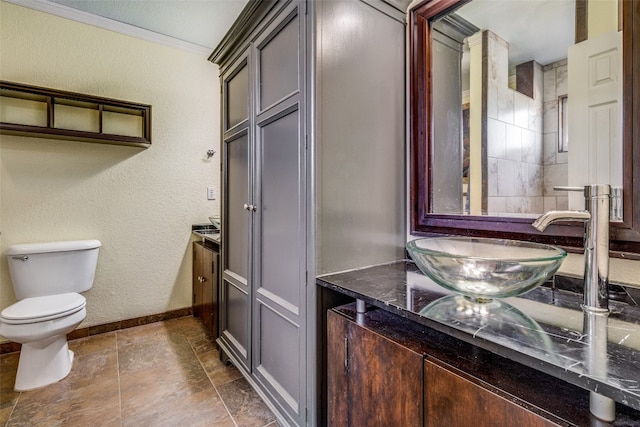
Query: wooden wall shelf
pixel 49 113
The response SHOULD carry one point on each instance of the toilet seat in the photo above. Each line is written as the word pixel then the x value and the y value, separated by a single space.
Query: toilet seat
pixel 40 309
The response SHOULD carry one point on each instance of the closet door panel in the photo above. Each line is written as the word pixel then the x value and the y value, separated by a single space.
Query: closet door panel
pixel 279 355
pixel 280 266
pixel 280 219
pixel 235 292
pixel 237 97
pixel 237 218
pixel 236 320
pixel 281 215
pixel 278 63
pixel 237 177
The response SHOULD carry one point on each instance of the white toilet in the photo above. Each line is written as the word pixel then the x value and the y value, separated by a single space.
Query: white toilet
pixel 46 279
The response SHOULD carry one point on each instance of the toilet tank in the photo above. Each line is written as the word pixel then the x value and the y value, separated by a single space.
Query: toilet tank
pixel 39 269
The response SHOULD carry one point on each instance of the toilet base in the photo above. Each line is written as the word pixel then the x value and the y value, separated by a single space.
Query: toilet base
pixel 43 363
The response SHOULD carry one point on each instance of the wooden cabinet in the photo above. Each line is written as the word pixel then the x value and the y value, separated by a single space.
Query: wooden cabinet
pixel 306 125
pixel 450 399
pixel 205 286
pixel 372 381
pixel 264 205
pixel 386 371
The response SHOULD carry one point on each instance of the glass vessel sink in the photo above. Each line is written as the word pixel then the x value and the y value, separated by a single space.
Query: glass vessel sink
pixel 482 269
pixel 215 220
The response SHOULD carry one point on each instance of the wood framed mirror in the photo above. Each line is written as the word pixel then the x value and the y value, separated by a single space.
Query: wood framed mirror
pixel 429 219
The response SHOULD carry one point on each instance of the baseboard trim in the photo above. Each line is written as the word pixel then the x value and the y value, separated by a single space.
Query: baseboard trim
pixel 12 347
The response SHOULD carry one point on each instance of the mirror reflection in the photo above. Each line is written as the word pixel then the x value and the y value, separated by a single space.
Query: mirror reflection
pixel 519 108
pixel 497 321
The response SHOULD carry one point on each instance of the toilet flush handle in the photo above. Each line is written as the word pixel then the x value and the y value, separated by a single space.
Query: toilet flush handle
pixel 21 258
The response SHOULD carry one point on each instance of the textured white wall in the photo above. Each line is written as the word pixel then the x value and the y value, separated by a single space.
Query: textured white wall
pixel 140 203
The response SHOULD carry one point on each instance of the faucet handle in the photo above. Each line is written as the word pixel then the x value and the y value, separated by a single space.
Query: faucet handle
pixel 566 188
pixel 589 190
pixel 616 204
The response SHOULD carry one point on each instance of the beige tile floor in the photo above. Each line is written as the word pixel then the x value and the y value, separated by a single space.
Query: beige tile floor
pixel 161 374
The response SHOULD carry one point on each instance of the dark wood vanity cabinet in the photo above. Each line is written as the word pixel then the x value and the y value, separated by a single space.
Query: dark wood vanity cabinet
pixel 205 286
pixel 372 380
pixel 450 399
pixel 379 376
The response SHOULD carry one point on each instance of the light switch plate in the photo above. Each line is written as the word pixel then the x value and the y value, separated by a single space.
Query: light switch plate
pixel 211 193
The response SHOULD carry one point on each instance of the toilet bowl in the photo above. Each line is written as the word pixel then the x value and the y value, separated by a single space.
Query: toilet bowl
pixel 41 320
pixel 45 356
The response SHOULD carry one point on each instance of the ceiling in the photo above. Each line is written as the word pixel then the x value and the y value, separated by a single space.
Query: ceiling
pixel 535 29
pixel 540 30
pixel 202 23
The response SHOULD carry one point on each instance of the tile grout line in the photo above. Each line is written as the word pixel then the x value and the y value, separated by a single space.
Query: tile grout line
pixel 218 393
pixel 233 420
pixel 119 387
pixel 13 409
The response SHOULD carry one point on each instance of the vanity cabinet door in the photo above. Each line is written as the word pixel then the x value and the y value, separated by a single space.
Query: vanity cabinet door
pixel 205 286
pixel 210 291
pixel 372 381
pixel 452 400
pixel 197 280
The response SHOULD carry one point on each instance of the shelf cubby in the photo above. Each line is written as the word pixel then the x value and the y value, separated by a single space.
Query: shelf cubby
pixel 49 113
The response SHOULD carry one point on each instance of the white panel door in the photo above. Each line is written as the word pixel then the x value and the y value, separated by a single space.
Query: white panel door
pixel 595 113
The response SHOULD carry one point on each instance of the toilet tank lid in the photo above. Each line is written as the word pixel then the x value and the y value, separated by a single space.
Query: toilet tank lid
pixel 38 248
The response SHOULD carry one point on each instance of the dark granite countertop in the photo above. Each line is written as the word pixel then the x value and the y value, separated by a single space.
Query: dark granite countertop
pixel 206 232
pixel 541 329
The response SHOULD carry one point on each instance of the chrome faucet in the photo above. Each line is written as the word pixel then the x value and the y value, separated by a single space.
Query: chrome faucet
pixel 596 241
pixel 596 217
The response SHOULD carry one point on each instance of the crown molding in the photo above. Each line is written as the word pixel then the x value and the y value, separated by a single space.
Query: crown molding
pixel 111 25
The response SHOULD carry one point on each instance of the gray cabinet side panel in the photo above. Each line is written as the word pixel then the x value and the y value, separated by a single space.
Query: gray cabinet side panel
pixel 360 64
